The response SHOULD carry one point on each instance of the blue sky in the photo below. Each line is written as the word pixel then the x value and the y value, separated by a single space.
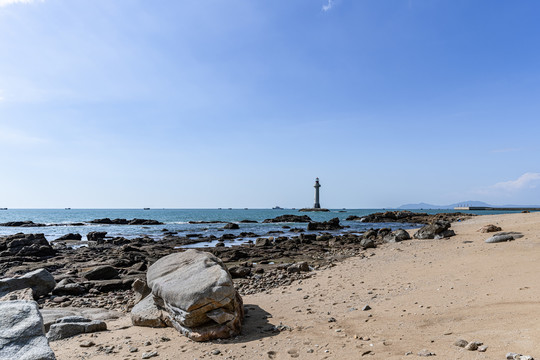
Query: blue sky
pixel 133 103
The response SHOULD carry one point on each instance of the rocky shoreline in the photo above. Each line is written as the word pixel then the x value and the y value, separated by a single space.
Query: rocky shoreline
pixel 101 273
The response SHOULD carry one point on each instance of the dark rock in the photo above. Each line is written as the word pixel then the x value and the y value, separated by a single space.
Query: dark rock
pixel 97 236
pixel 332 224
pixel 107 221
pixel 406 216
pixel 263 242
pixel 248 221
pixel 299 267
pixel 239 271
pixel 368 243
pixel 70 236
pixel 35 245
pixel 22 224
pixel 231 226
pixel 69 289
pixel 437 230
pixel 104 272
pixel 289 218
pixel 504 236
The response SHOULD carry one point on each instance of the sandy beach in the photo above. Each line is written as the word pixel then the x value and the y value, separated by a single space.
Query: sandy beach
pixel 423 294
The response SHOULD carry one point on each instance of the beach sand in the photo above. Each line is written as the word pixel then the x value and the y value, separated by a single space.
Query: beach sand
pixel 423 294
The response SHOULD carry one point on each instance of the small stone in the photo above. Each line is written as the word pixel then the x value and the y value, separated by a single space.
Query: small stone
pixel 133 349
pixel 147 343
pixel 149 355
pixel 215 352
pixel 482 348
pixel 461 343
pixel 87 343
pixel 366 308
pixel 473 345
pixel 331 319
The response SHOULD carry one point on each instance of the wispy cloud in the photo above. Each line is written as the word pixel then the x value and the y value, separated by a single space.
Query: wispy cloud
pixel 10 2
pixel 10 136
pixel 526 181
pixel 326 7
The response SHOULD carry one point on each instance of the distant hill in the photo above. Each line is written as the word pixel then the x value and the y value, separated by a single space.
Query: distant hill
pixel 451 206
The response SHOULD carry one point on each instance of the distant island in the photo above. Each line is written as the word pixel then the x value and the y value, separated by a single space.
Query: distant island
pixel 471 203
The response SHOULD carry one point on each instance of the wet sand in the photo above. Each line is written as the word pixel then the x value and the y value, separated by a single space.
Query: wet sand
pixel 423 294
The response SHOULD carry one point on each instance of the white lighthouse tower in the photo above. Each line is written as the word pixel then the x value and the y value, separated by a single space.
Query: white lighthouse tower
pixel 317 205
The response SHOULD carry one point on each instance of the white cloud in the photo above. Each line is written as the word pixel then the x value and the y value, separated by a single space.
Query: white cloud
pixel 10 2
pixel 326 7
pixel 525 181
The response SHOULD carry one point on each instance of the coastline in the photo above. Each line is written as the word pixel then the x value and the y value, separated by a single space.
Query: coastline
pixel 424 294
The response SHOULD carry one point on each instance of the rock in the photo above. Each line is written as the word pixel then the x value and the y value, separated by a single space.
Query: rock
pixel 473 345
pixel 263 242
pixel 31 245
pixel 70 236
pixel 140 289
pixel 299 267
pixel 515 356
pixel 198 293
pixel 246 221
pixel 148 355
pixel 504 236
pixel 482 348
pixel 366 308
pixel 368 244
pixel 289 218
pixel 73 325
pixel 437 230
pixel 489 228
pixel 239 271
pixel 97 236
pixel 231 226
pixel 425 352
pixel 111 285
pixel 22 224
pixel 21 332
pixel 87 343
pixel 104 272
pixel 52 314
pixel 332 224
pixel 405 216
pixel 397 236
pixel 461 343
pixel 69 289
pixel 146 313
pixel 40 281
pixel 108 221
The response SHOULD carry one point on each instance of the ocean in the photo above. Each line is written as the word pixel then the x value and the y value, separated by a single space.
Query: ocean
pixel 177 220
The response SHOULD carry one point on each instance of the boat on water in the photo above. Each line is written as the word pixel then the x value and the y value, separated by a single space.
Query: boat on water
pixel 68 208
pixel 146 208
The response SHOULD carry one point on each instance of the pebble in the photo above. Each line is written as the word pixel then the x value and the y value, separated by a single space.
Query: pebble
pixel 216 352
pixel 133 349
pixel 425 352
pixel 473 345
pixel 366 308
pixel 482 348
pixel 87 343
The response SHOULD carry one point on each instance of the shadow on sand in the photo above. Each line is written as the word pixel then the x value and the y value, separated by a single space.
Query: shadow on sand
pixel 256 326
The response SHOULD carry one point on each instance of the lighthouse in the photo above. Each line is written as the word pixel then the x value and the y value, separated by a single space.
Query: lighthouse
pixel 317 205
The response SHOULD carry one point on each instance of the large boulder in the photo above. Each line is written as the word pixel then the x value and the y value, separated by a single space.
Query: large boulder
pixel 33 245
pixel 40 281
pixel 70 236
pixel 197 292
pixel 21 332
pixel 97 236
pixel 437 230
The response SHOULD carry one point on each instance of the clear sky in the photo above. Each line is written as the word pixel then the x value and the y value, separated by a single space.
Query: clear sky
pixel 172 103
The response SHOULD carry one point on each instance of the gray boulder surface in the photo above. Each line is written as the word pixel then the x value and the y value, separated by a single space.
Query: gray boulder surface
pixel 197 293
pixel 147 313
pixel 397 236
pixel 73 325
pixel 40 281
pixel 51 315
pixel 21 332
pixel 27 245
pixel 103 272
pixel 503 236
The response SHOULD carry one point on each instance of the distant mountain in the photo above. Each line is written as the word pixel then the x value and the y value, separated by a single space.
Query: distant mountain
pixel 463 203
pixel 451 206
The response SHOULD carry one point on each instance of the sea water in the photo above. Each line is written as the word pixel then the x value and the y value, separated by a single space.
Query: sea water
pixel 177 220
